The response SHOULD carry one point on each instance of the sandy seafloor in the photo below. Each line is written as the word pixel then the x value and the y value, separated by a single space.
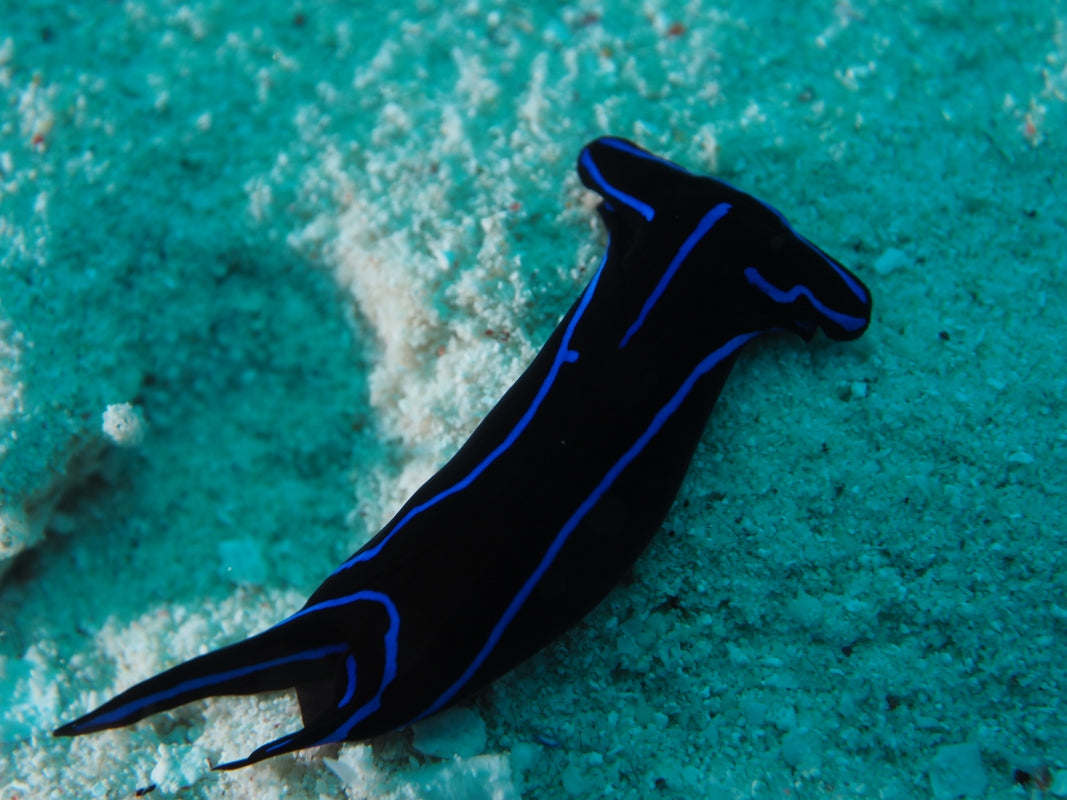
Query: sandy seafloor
pixel 301 248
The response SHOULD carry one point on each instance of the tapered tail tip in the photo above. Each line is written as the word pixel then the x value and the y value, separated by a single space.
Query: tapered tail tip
pixel 231 765
pixel 77 727
pixel 297 740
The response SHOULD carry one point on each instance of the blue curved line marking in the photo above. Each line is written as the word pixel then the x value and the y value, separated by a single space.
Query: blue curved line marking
pixel 563 356
pixel 846 321
pixel 195 684
pixel 709 363
pixel 626 147
pixel 350 690
pixel 850 281
pixel 644 209
pixel 388 668
pixel 706 223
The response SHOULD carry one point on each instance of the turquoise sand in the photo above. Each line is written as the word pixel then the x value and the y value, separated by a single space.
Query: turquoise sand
pixel 263 269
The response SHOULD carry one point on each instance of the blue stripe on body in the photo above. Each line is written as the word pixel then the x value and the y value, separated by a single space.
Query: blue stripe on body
pixel 626 147
pixel 846 321
pixel 195 684
pixel 388 668
pixel 709 363
pixel 706 223
pixel 563 356
pixel 644 209
pixel 350 690
pixel 850 281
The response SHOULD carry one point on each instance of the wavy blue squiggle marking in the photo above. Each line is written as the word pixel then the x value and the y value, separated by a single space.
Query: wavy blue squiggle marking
pixel 563 356
pixel 850 281
pixel 709 363
pixel 706 223
pixel 846 321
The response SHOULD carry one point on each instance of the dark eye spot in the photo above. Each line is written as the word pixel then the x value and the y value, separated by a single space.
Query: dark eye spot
pixel 777 242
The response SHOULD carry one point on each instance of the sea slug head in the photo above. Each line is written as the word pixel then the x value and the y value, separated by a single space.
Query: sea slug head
pixel 783 280
pixel 700 258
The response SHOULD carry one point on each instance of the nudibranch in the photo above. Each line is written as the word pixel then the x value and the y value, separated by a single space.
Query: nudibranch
pixel 560 487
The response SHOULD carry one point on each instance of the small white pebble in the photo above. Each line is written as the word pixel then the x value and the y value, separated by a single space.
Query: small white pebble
pixel 755 712
pixel 574 782
pixel 524 755
pixel 890 261
pixel 124 424
pixel 1059 783
pixel 453 732
pixel 345 773
pixel 957 771
pixel 354 767
pixel 738 657
pixel 805 609
pixel 802 750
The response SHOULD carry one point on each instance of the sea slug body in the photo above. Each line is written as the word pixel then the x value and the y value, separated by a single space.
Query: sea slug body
pixel 560 487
